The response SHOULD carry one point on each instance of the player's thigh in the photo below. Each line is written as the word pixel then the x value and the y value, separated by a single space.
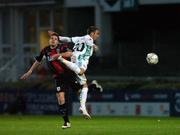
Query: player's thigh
pixel 82 64
pixel 60 97
pixel 60 84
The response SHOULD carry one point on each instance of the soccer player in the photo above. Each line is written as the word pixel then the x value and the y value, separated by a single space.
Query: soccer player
pixel 63 77
pixel 82 51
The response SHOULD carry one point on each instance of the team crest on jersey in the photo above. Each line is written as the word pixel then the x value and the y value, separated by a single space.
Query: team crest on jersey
pixel 58 88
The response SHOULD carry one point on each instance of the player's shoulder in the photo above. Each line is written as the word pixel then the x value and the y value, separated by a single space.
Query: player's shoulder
pixel 46 48
pixel 88 38
pixel 75 39
pixel 89 41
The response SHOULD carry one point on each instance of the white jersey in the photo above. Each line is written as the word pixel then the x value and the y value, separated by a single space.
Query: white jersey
pixel 83 47
pixel 82 51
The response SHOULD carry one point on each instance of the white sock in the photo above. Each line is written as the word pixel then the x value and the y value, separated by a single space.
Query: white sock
pixel 70 65
pixel 83 97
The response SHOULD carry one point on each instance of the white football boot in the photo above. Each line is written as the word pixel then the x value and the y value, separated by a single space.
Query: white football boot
pixel 84 113
pixel 66 125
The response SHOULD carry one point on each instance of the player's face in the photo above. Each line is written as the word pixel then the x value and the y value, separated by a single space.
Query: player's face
pixel 95 35
pixel 53 40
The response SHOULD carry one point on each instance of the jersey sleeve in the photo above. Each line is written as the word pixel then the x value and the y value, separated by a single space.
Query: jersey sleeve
pixel 40 56
pixel 65 39
pixel 75 39
pixel 89 41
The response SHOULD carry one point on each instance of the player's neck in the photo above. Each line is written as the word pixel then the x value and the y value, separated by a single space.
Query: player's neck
pixel 53 46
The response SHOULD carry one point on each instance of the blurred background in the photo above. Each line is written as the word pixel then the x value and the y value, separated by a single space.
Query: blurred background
pixel 129 30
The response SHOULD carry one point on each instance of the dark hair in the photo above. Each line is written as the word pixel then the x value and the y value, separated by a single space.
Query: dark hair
pixel 56 34
pixel 92 29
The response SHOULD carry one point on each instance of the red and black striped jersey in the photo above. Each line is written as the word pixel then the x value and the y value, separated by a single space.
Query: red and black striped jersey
pixel 56 67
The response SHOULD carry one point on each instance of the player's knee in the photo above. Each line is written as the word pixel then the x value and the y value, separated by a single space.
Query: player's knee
pixel 85 85
pixel 81 72
pixel 61 101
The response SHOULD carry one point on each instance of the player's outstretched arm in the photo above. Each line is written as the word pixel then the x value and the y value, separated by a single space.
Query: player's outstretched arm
pixel 65 39
pixel 61 38
pixel 29 72
pixel 51 32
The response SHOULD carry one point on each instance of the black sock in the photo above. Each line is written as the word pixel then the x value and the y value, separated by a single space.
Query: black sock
pixel 92 87
pixel 64 112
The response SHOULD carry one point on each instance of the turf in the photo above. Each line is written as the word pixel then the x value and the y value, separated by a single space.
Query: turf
pixel 50 125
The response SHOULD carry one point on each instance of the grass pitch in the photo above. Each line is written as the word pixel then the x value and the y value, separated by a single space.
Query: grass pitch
pixel 51 125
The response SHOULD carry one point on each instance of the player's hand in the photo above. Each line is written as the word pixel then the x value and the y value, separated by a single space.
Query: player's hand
pixel 66 54
pixel 26 75
pixel 50 32
pixel 95 48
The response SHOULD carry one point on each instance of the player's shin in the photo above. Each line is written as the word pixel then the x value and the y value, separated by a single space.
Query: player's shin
pixel 64 112
pixel 83 97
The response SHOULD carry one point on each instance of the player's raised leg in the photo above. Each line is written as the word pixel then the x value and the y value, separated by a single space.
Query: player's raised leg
pixel 72 66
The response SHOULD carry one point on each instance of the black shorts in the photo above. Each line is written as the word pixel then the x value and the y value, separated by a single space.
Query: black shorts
pixel 66 81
